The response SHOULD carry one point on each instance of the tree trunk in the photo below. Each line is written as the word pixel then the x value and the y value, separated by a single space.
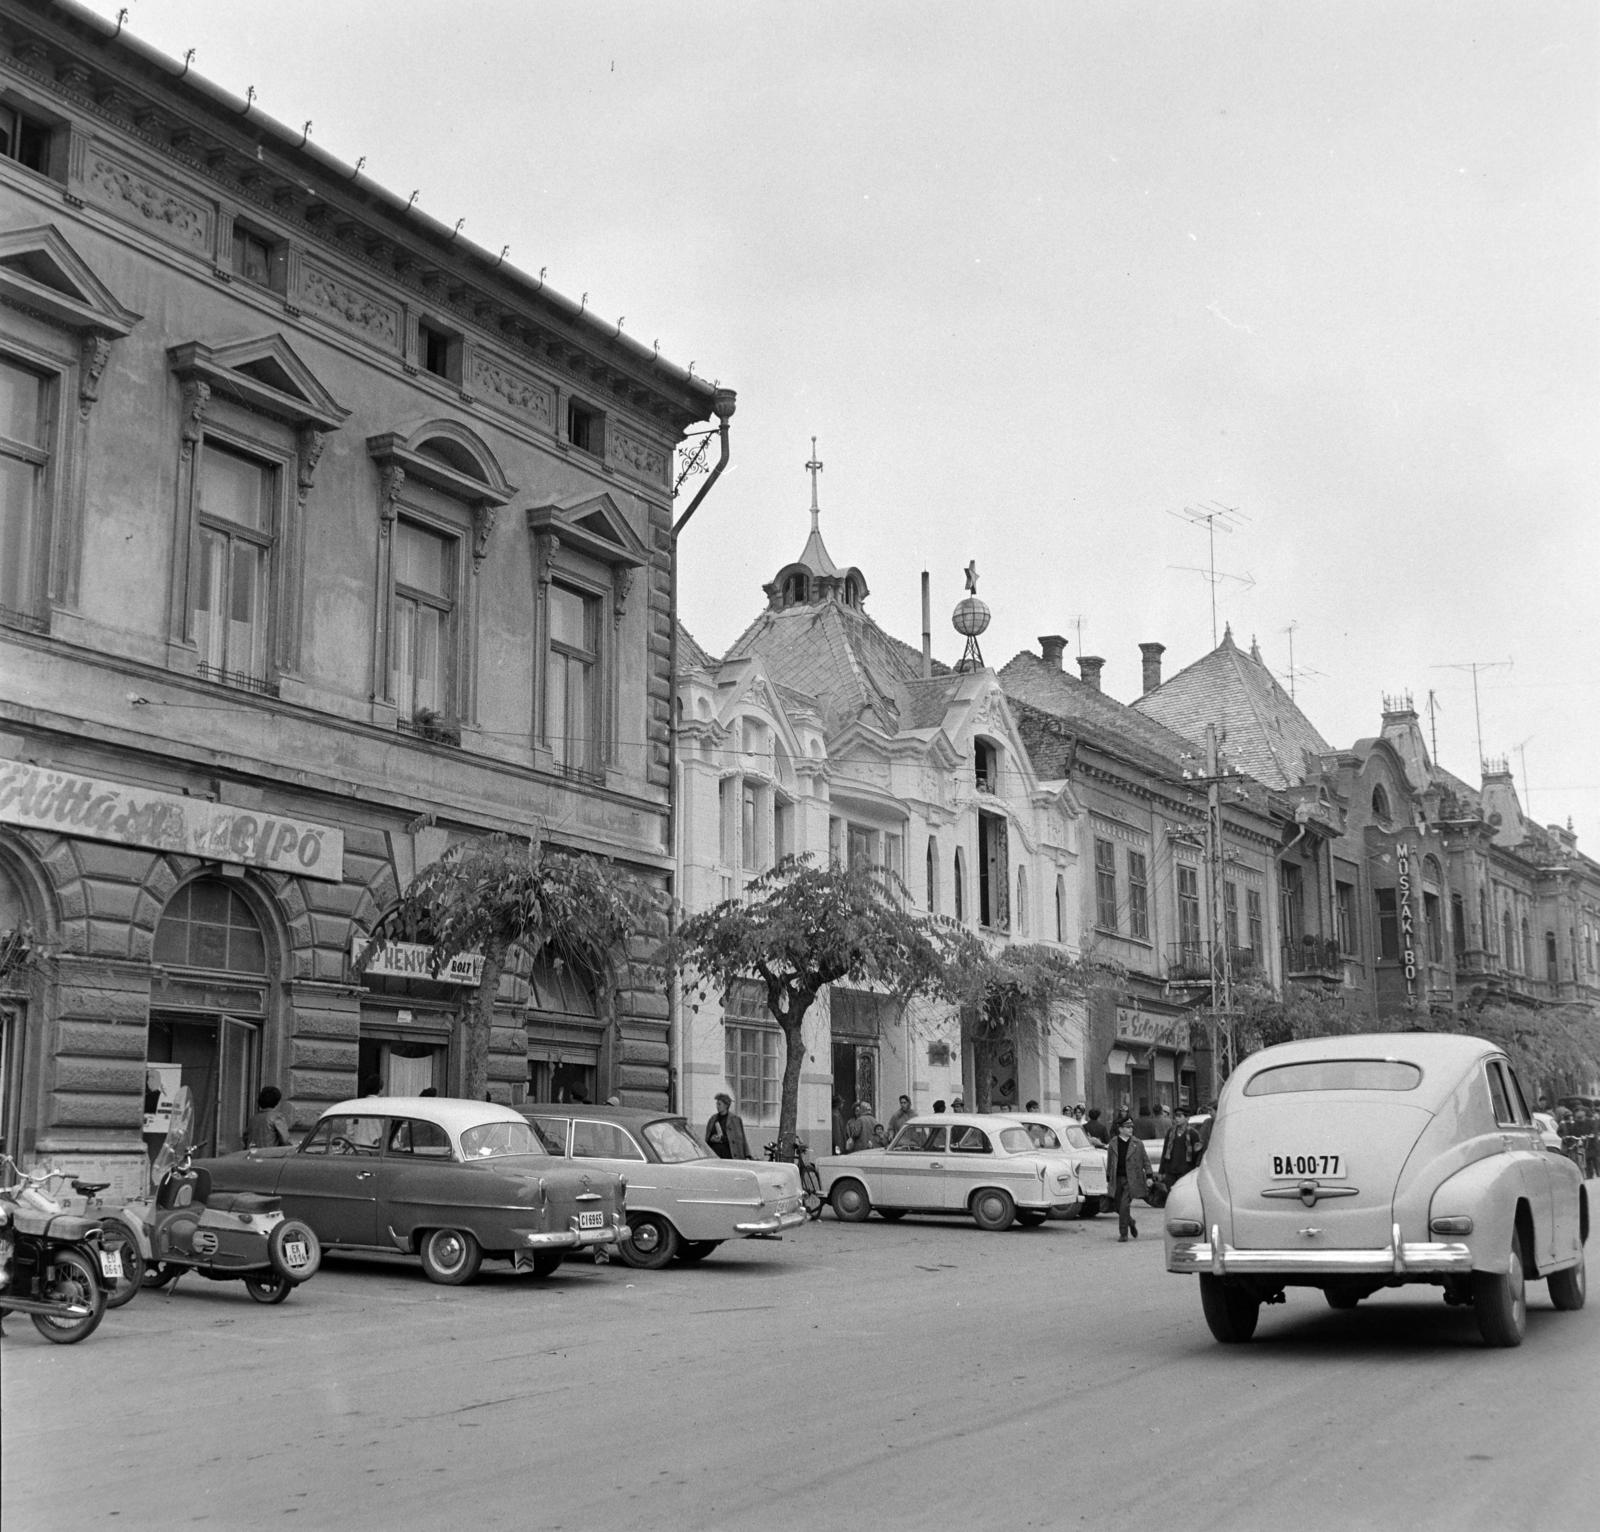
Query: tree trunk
pixel 794 1058
pixel 981 1067
pixel 479 1024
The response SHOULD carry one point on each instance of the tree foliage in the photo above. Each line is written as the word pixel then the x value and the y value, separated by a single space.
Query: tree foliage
pixel 799 928
pixel 495 895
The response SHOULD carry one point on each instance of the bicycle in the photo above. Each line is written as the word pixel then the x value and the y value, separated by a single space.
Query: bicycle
pixel 811 1197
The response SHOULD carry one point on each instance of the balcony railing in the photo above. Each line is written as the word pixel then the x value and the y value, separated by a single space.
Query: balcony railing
pixel 1313 955
pixel 1189 962
pixel 238 680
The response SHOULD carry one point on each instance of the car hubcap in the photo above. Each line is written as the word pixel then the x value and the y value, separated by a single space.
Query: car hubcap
pixel 646 1238
pixel 448 1252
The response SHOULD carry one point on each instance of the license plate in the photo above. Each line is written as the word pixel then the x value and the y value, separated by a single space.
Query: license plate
pixel 591 1220
pixel 111 1264
pixel 295 1252
pixel 1299 1167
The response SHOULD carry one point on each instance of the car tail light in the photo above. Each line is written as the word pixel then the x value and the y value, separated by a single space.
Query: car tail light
pixel 622 1190
pixel 1457 1224
pixel 1183 1228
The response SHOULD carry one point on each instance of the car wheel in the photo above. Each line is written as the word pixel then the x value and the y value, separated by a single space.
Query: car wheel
pixel 450 1256
pixel 851 1204
pixel 1567 1288
pixel 1341 1296
pixel 891 1215
pixel 547 1262
pixel 268 1287
pixel 697 1249
pixel 993 1209
pixel 1090 1208
pixel 651 1242
pixel 1501 1299
pixel 1030 1218
pixel 294 1251
pixel 1230 1311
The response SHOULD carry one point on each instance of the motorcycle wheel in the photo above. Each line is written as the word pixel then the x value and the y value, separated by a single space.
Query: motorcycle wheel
pixel 268 1287
pixel 74 1282
pixel 115 1237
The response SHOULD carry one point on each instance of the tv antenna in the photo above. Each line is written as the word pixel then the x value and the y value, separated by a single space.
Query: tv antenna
pixel 1294 672
pixel 1214 518
pixel 1433 723
pixel 1477 713
pixel 1521 752
pixel 1078 624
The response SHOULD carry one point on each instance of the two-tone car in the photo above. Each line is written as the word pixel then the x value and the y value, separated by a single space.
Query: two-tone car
pixel 980 1166
pixel 683 1201
pixel 1363 1162
pixel 451 1181
pixel 1065 1136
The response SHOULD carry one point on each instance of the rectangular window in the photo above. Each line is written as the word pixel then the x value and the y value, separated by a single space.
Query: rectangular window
pixel 438 352
pixel 782 830
pixel 1291 889
pixel 231 579
pixel 1138 896
pixel 1230 913
pixel 571 711
pixel 863 846
pixel 749 827
pixel 25 140
pixel 727 798
pixel 1388 924
pixel 1433 914
pixel 835 842
pixel 1458 925
pixel 585 428
pixel 424 607
pixel 1189 911
pixel 1252 918
pixel 259 260
pixel 1345 913
pixel 24 463
pixel 891 855
pixel 1105 885
pixel 751 1065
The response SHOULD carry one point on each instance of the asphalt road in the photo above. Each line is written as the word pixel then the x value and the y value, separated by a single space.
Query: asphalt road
pixel 863 1376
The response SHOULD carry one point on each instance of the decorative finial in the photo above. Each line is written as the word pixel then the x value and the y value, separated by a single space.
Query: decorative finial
pixel 814 467
pixel 1227 632
pixel 972 577
pixel 970 618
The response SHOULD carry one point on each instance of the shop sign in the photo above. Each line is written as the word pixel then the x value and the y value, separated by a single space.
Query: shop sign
pixel 414 960
pixel 37 799
pixel 1408 938
pixel 1147 1027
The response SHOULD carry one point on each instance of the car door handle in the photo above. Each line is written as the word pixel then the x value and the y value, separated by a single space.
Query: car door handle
pixel 364 1175
pixel 935 1164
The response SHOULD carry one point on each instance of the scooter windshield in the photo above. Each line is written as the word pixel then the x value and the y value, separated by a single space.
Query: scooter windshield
pixel 179 1128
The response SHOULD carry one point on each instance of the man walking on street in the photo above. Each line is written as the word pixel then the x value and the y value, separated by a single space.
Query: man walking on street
pixel 725 1131
pixel 1128 1176
pixel 1180 1150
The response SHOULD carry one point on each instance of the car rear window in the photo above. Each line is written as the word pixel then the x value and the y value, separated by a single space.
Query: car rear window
pixel 1016 1140
pixel 490 1140
pixel 1335 1074
pixel 674 1144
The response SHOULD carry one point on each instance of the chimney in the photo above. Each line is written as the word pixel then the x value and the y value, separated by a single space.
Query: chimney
pixel 1051 646
pixel 927 628
pixel 1152 665
pixel 1089 667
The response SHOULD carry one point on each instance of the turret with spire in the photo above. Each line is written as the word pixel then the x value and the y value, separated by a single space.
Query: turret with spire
pixel 814 577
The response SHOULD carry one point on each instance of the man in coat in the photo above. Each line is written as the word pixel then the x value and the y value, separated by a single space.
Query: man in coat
pixel 904 1115
pixel 725 1131
pixel 1180 1150
pixel 1127 1175
pixel 859 1129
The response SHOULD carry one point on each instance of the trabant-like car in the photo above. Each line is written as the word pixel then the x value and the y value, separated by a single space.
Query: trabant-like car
pixel 451 1181
pixel 683 1201
pixel 1065 1136
pixel 1363 1162
pixel 982 1166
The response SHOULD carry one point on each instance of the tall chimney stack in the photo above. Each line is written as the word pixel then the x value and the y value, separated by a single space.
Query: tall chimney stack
pixel 1152 665
pixel 1089 667
pixel 927 629
pixel 1051 646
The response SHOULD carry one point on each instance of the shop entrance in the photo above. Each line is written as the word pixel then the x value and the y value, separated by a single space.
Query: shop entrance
pixel 219 1059
pixel 408 1066
pixel 565 1034
pixel 855 1074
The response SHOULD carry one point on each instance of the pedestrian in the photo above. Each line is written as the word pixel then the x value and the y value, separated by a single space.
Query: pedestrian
pixel 938 1107
pixel 858 1131
pixel 1077 1111
pixel 1207 1126
pixel 429 1090
pixel 372 1086
pixel 613 1100
pixel 725 1131
pixel 903 1116
pixel 1180 1150
pixel 958 1105
pixel 1128 1176
pixel 1030 1106
pixel 839 1135
pixel 268 1129
pixel 1094 1127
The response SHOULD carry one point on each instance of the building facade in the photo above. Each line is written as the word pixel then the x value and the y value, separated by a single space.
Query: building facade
pixel 327 541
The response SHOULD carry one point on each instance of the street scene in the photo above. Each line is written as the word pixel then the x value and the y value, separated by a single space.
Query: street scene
pixel 785 765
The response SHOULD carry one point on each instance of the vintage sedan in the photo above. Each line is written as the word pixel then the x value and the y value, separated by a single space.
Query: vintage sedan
pixel 682 1200
pixel 1065 1136
pixel 1358 1163
pixel 451 1181
pixel 983 1166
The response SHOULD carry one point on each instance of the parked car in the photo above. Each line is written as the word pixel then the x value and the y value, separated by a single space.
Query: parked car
pixel 1065 1136
pixel 1357 1163
pixel 451 1181
pixel 1549 1133
pixel 983 1166
pixel 683 1201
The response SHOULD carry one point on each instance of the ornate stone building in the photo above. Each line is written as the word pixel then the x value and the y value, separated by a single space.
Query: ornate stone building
pixel 327 539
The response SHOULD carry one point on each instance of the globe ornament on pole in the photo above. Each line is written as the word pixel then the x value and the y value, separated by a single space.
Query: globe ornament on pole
pixel 970 618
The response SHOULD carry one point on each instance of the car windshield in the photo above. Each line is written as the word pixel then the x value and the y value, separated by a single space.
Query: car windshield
pixel 1016 1140
pixel 674 1143
pixel 1335 1074
pixel 490 1140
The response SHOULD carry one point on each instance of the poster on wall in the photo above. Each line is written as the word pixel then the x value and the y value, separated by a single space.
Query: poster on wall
pixel 161 1082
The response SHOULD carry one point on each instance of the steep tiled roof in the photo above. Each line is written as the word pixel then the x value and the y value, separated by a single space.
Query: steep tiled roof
pixel 1261 729
pixel 690 654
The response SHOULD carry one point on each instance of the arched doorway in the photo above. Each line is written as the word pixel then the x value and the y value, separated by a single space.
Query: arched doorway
pixel 207 1014
pixel 565 1033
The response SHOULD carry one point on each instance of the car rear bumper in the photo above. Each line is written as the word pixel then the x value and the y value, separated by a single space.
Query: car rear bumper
pixel 574 1239
pixel 1397 1259
pixel 776 1224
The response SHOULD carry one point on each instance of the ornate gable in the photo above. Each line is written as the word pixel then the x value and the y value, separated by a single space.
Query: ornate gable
pixel 41 272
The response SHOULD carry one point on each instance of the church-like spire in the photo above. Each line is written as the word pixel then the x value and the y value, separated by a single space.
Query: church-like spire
pixel 814 577
pixel 815 555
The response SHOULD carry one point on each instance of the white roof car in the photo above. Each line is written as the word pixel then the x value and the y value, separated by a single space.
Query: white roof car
pixel 1052 1134
pixel 1379 1160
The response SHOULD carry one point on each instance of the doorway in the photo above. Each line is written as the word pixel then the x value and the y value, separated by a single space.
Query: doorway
pixel 219 1059
pixel 855 1074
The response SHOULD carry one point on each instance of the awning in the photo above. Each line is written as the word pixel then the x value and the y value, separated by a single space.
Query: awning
pixel 1117 1061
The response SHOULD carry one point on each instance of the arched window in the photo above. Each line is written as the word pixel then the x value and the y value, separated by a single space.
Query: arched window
pixel 1527 947
pixel 960 895
pixel 1508 942
pixel 1061 909
pixel 1380 804
pixel 1485 934
pixel 1551 961
pixel 1022 901
pixel 794 590
pixel 207 925
pixel 852 591
pixel 1458 924
pixel 933 875
pixel 985 766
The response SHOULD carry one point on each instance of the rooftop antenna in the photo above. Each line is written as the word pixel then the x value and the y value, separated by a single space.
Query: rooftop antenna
pixel 1078 624
pixel 1214 518
pixel 1294 672
pixel 1521 752
pixel 1477 713
pixel 1433 723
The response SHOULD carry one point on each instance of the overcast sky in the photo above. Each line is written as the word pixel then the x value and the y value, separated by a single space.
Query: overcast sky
pixel 1037 276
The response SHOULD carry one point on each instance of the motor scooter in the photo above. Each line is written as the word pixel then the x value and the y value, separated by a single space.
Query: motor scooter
pixel 224 1236
pixel 52 1266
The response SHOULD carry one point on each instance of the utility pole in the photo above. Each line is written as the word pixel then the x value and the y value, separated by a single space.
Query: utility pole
pixel 1221 965
pixel 1477 714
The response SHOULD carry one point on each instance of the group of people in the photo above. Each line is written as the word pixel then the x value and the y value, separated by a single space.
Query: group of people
pixel 1582 1125
pixel 1128 1171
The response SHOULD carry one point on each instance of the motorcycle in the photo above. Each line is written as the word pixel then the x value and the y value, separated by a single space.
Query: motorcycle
pixel 224 1236
pixel 52 1265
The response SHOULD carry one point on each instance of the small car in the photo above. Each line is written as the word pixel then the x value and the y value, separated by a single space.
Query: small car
pixel 1549 1133
pixel 683 1201
pixel 1362 1162
pixel 983 1166
pixel 449 1180
pixel 1065 1135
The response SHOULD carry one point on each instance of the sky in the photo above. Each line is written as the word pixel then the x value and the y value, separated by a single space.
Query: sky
pixel 1039 277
